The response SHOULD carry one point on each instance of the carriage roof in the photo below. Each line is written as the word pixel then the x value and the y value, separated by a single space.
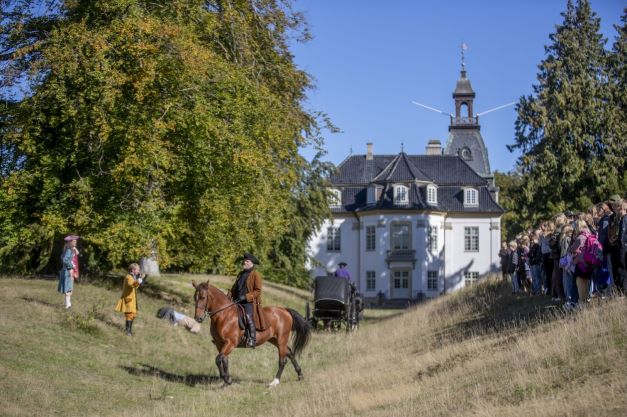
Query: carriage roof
pixel 332 288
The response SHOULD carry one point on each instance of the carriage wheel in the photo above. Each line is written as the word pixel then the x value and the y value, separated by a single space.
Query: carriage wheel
pixel 307 312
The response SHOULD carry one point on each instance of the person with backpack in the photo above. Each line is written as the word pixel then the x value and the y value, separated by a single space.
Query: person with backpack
pixel 586 252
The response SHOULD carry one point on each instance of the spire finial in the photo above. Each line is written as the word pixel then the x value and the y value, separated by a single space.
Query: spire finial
pixel 464 47
pixel 402 147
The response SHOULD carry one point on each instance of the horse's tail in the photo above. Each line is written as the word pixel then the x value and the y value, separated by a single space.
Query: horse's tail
pixel 302 331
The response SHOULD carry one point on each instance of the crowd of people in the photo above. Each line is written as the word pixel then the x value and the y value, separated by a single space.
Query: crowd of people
pixel 572 257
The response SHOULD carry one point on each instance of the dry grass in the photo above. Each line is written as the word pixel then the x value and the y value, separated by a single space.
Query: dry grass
pixel 480 352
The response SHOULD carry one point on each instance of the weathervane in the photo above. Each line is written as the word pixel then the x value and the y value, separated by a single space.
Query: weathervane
pixel 402 147
pixel 464 47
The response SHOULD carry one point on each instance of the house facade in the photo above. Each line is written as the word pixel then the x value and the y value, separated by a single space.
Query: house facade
pixel 414 226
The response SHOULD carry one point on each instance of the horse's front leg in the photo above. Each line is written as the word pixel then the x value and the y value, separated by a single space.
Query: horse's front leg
pixel 222 360
pixel 223 367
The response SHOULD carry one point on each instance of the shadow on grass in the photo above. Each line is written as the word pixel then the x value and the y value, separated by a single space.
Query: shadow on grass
pixel 190 380
pixel 36 301
pixel 494 309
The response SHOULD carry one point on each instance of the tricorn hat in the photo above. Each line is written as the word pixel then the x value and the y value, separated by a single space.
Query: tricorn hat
pixel 342 264
pixel 69 238
pixel 251 258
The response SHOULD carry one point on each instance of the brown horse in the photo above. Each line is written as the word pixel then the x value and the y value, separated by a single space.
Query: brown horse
pixel 227 335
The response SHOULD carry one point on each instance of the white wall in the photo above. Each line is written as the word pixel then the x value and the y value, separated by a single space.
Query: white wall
pixel 450 259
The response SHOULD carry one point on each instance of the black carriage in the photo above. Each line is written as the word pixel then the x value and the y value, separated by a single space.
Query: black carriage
pixel 336 302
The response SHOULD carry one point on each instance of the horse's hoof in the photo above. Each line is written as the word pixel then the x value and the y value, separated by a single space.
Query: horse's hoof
pixel 274 383
pixel 228 381
pixel 301 377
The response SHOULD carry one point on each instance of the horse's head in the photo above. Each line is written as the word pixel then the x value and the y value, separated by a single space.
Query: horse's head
pixel 202 300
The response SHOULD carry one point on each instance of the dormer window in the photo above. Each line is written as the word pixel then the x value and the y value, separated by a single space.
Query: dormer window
pixel 432 195
pixel 401 194
pixel 371 195
pixel 335 199
pixel 471 197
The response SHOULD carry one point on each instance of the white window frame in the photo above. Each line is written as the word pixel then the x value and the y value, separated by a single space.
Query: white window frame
pixel 432 238
pixel 334 239
pixel 471 277
pixel 471 239
pixel 371 238
pixel 432 281
pixel 401 194
pixel 471 197
pixel 401 241
pixel 371 198
pixel 335 199
pixel 371 280
pixel 432 195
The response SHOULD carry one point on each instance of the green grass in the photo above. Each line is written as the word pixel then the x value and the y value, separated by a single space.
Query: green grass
pixel 477 352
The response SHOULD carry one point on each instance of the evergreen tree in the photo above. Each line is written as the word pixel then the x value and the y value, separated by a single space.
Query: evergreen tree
pixel 171 125
pixel 571 155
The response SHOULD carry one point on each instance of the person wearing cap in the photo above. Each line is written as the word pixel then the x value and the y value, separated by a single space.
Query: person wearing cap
pixel 127 303
pixel 342 272
pixel 69 269
pixel 246 291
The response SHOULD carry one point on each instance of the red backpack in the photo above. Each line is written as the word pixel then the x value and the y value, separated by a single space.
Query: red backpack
pixel 591 253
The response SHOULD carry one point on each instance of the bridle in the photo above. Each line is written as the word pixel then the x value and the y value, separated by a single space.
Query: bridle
pixel 209 313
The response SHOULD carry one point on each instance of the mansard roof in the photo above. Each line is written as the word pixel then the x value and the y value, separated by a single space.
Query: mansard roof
pixel 439 169
pixel 450 173
pixel 401 168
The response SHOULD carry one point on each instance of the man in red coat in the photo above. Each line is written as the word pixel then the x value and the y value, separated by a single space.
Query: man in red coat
pixel 247 291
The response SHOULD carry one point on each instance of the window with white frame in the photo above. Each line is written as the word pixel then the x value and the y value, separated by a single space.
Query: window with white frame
pixel 471 197
pixel 400 236
pixel 371 238
pixel 335 199
pixel 432 195
pixel 371 195
pixel 432 238
pixel 471 239
pixel 471 277
pixel 400 280
pixel 371 281
pixel 401 194
pixel 334 239
pixel 432 280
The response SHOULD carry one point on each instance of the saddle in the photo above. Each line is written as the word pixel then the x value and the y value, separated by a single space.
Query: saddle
pixel 242 318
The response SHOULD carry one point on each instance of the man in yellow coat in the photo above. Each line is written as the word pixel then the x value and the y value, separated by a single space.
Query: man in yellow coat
pixel 247 291
pixel 127 304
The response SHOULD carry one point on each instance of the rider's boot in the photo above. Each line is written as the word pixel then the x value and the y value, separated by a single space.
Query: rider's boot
pixel 252 332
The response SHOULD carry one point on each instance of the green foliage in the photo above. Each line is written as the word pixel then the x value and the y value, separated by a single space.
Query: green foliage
pixel 171 126
pixel 571 130
pixel 509 186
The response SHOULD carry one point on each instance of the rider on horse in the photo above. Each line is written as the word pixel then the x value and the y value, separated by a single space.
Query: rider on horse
pixel 247 291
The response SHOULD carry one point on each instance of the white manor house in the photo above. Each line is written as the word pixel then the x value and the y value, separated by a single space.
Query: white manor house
pixel 415 226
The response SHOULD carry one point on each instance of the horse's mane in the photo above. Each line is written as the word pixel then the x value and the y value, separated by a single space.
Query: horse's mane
pixel 214 290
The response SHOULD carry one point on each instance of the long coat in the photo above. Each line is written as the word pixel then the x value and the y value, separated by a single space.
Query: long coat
pixel 128 302
pixel 253 285
pixel 66 281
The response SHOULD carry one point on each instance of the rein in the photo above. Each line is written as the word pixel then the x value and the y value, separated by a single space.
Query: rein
pixel 213 313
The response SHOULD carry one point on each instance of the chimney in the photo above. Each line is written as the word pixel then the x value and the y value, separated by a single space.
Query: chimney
pixel 369 151
pixel 434 147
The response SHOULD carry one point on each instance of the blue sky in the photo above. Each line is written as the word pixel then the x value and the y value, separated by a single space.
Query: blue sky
pixel 371 59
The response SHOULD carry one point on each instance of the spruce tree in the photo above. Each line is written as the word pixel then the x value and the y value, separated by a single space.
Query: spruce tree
pixel 570 158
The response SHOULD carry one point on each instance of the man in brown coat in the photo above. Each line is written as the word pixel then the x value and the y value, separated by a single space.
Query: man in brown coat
pixel 247 291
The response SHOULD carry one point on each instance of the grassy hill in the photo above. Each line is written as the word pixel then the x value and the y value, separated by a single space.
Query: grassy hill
pixel 480 352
